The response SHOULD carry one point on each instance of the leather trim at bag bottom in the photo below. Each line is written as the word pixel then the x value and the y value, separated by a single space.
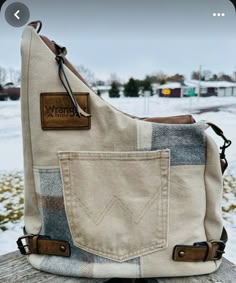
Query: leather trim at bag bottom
pixel 58 113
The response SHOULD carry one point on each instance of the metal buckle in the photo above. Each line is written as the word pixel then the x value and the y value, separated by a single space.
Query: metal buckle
pixel 24 248
pixel 220 250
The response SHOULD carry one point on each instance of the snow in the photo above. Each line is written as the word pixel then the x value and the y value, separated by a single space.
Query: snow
pixel 210 83
pixel 155 106
pixel 11 157
pixel 230 250
pixel 8 238
pixel 170 85
pixel 196 83
pixel 10 136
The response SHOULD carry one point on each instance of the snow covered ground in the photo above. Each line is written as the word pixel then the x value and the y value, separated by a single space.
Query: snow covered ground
pixel 11 157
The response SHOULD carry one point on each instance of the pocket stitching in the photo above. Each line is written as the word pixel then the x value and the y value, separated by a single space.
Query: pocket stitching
pixel 157 245
pixel 113 201
pixel 129 255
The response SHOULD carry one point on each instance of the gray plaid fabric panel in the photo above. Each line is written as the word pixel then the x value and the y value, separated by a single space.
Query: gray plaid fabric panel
pixel 187 147
pixel 186 142
pixel 81 263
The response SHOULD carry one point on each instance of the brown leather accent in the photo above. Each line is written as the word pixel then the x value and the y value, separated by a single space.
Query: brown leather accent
pixel 193 254
pixel 37 25
pixel 227 143
pixel 223 165
pixel 58 112
pixel 211 251
pixel 52 46
pixel 216 129
pixel 203 251
pixel 41 245
pixel 224 235
pixel 182 119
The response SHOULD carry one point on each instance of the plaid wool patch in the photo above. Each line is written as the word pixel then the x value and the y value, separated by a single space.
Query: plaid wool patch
pixel 54 224
pixel 187 147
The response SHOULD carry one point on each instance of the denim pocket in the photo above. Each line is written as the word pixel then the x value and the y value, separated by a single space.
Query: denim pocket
pixel 117 202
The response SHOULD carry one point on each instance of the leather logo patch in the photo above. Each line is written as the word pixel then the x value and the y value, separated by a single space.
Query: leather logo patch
pixel 58 112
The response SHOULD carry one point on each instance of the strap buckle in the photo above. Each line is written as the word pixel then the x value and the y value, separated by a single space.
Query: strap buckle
pixel 220 249
pixel 24 247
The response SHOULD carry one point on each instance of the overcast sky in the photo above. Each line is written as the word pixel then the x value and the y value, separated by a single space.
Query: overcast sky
pixel 133 37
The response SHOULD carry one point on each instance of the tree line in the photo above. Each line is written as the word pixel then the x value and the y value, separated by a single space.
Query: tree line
pixel 131 88
pixel 204 75
pixel 9 75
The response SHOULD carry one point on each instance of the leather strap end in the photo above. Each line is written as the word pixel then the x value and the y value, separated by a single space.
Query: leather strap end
pixel 189 253
pixel 181 119
pixel 46 246
pixel 199 252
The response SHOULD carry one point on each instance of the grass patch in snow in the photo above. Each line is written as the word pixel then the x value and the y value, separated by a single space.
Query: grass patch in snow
pixel 11 199
pixel 229 196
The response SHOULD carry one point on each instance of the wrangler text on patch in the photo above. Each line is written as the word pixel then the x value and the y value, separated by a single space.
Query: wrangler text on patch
pixel 58 113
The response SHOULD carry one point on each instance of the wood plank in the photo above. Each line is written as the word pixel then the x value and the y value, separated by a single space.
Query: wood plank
pixel 15 268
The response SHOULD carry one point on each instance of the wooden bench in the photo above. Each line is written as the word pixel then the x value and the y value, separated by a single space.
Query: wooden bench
pixel 15 268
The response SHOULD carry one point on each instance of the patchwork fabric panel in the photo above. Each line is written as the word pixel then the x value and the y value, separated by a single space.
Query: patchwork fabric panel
pixel 117 202
pixel 186 144
pixel 81 263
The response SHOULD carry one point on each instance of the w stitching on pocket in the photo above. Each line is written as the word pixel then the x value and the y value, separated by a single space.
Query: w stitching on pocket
pixel 117 200
pixel 102 240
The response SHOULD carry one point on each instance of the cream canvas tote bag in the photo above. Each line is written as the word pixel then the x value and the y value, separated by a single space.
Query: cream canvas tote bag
pixel 110 195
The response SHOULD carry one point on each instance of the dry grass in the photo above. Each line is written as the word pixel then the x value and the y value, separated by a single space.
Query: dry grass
pixel 11 199
pixel 229 196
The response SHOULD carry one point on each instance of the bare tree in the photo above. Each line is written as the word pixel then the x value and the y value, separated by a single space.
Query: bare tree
pixel 176 78
pixel 207 74
pixel 87 74
pixel 3 75
pixel 225 77
pixel 158 77
pixel 214 78
pixel 14 76
pixel 114 78
pixel 195 75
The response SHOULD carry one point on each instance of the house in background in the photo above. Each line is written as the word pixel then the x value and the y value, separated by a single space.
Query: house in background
pixel 9 91
pixel 101 89
pixel 227 89
pixel 187 88
pixel 191 88
pixel 213 88
pixel 174 89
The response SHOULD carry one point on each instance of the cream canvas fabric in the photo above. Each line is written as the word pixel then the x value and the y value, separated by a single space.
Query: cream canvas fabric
pixel 123 193
pixel 133 192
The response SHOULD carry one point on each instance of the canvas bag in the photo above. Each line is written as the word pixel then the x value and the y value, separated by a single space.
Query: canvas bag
pixel 110 195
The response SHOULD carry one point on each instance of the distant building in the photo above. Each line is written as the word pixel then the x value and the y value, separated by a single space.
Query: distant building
pixel 194 88
pixel 104 89
pixel 213 88
pixel 171 90
pixel 9 90
pixel 180 89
